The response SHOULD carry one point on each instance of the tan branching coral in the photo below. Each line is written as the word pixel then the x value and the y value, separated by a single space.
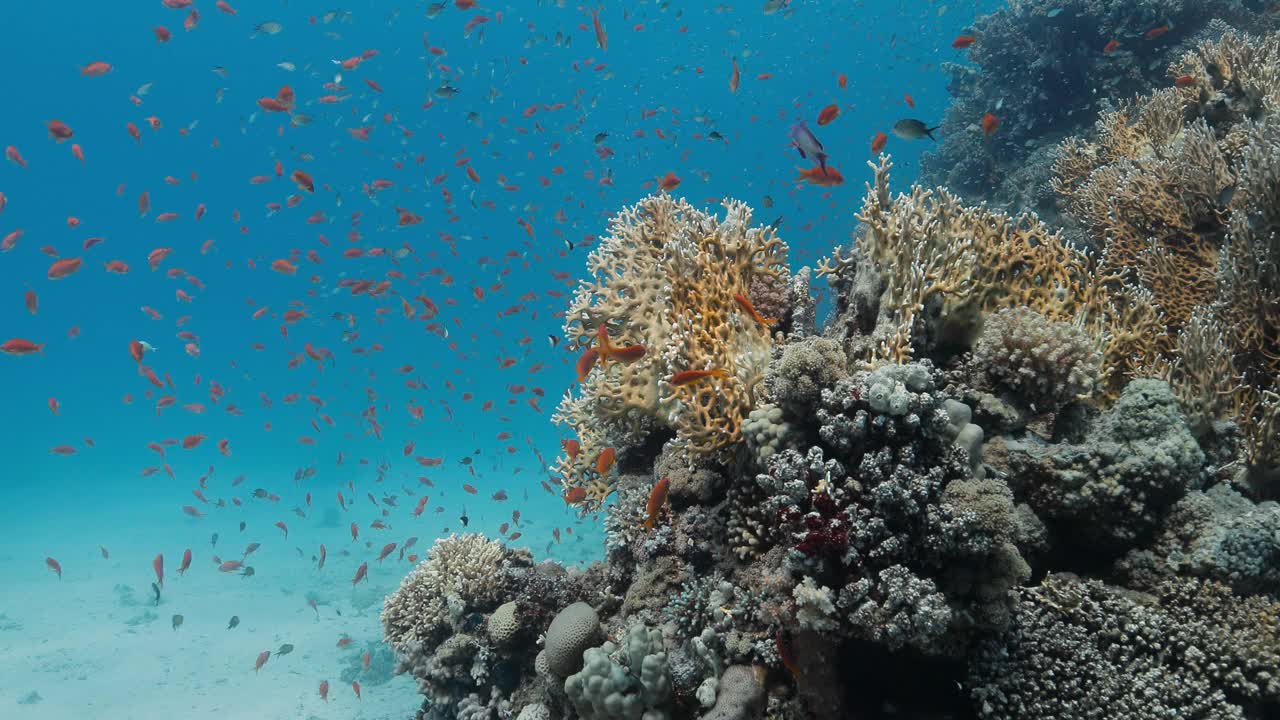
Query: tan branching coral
pixel 666 277
pixel 932 251
pixel 1182 190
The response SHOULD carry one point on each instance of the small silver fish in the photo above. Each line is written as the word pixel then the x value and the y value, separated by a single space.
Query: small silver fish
pixel 177 621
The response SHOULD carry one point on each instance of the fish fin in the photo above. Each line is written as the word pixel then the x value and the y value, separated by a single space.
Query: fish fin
pixel 929 132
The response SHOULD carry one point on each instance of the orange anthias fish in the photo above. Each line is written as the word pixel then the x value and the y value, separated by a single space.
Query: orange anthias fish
pixel 586 361
pixel 878 142
pixel 606 350
pixel 818 175
pixel 54 565
pixel 303 180
pixel 262 660
pixel 573 496
pixel 750 309
pixel 735 77
pixel 685 377
pixel 1183 81
pixel 1110 47
pixel 989 124
pixel 571 448
pixel 828 113
pixel 605 461
pixel 669 181
pixel 1156 32
pixel 602 37
pixel 657 498
pixel 963 41
pixel 362 573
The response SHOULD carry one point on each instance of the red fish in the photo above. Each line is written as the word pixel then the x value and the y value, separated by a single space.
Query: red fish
pixel 573 496
pixel 1184 81
pixel 685 377
pixel 303 180
pixel 158 566
pixel 323 554
pixel 989 124
pixel 964 41
pixel 744 303
pixel 355 685
pixel 669 181
pixel 59 131
pixel 283 528
pixel 910 101
pixel 386 550
pixel 818 175
pixel 605 461
pixel 54 565
pixel 324 690
pixel 64 267
pixel 657 498
pixel 1110 47
pixel 362 573
pixel 602 38
pixel 262 660
pixel 828 113
pixel 186 562
pixel 1156 32
pixel 19 346
pixel 95 69
pixel 735 77
pixel 32 302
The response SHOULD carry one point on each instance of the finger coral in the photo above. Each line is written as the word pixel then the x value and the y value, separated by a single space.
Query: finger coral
pixel 672 279
pixel 1045 363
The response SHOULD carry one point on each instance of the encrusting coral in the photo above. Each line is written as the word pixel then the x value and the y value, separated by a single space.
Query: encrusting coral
pixel 672 279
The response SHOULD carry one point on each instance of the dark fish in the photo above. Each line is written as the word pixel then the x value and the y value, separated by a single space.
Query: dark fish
pixel 911 129
pixel 554 340
pixel 768 201
pixel 235 621
pixel 465 460
pixel 242 526
pixel 285 649
pixel 247 571
pixel 260 493
pixel 156 589
pixel 714 135
pixel 214 540
pixel 601 137
pixel 177 621
pixel 464 519
pixel 776 224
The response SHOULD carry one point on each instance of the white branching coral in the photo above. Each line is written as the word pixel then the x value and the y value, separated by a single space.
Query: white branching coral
pixel 671 278
pixel 460 571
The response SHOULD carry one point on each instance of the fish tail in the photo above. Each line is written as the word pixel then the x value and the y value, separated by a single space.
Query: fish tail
pixel 929 132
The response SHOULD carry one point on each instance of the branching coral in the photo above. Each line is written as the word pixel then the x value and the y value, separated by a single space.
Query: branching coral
pixel 668 277
pixel 1181 188
pixel 465 570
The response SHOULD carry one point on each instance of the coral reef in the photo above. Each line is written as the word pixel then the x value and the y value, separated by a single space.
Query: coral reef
pixel 1180 189
pixel 677 282
pixel 1013 476
pixel 1042 67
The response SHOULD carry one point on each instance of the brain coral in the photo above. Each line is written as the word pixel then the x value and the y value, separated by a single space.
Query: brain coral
pixel 575 629
pixel 671 278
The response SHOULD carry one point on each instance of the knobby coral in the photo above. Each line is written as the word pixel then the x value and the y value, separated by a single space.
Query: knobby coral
pixel 673 279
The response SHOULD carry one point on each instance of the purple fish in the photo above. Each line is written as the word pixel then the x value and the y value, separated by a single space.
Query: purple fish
pixel 804 141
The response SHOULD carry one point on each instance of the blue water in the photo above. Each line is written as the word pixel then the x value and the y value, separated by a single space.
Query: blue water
pixel 666 70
